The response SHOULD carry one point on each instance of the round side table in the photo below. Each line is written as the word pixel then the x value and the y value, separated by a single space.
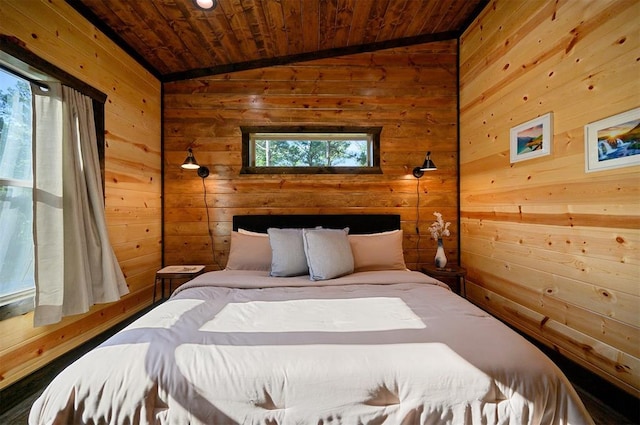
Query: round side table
pixel 451 271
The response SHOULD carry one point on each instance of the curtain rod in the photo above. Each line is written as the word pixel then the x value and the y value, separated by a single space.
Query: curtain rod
pixel 24 77
pixel 13 47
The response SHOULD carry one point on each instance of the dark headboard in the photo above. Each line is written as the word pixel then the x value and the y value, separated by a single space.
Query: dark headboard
pixel 357 223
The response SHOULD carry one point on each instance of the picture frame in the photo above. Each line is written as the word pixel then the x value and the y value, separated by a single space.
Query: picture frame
pixel 531 139
pixel 613 142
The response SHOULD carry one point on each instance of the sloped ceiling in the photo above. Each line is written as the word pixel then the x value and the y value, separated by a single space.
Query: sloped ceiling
pixel 176 40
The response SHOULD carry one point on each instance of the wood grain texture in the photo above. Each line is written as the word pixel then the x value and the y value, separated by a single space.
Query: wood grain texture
pixel 175 37
pixel 55 32
pixel 206 115
pixel 549 248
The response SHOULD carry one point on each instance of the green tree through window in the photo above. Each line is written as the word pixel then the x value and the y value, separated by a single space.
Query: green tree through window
pixel 310 150
pixel 16 206
pixel 316 153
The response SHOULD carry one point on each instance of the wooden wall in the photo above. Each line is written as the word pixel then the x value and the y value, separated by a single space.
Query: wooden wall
pixel 55 32
pixel 549 248
pixel 410 92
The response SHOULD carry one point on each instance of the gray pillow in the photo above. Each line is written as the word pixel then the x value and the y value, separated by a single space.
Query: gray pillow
pixel 287 252
pixel 328 253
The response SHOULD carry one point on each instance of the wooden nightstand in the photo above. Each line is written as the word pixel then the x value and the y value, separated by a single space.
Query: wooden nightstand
pixel 175 272
pixel 448 273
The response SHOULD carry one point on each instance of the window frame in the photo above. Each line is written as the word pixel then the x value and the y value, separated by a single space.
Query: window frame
pixel 247 168
pixel 20 61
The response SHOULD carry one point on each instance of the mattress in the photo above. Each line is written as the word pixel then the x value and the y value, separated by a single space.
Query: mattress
pixel 379 347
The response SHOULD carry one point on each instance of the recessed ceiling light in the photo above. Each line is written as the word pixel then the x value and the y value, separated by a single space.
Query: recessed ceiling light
pixel 206 4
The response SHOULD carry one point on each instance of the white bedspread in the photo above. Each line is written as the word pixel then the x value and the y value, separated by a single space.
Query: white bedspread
pixel 369 348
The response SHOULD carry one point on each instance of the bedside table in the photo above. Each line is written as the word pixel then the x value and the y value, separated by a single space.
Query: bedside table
pixel 449 272
pixel 175 272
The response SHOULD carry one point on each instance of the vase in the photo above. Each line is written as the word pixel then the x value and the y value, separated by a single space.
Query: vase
pixel 441 258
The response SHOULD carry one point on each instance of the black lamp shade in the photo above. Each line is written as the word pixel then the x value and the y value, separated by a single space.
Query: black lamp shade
pixel 428 165
pixel 190 163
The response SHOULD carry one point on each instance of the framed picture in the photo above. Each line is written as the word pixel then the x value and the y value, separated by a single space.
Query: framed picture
pixel 531 139
pixel 613 142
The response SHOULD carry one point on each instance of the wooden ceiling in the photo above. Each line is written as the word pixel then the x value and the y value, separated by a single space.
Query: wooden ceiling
pixel 175 40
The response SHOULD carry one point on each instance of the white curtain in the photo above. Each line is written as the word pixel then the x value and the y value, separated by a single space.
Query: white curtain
pixel 75 266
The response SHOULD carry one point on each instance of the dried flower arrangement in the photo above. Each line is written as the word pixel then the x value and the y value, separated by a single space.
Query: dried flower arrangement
pixel 439 228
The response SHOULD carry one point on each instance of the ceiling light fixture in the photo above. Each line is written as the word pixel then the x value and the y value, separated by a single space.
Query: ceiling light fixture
pixel 205 4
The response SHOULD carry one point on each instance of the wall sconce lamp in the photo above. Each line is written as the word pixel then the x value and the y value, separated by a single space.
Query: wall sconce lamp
pixel 418 172
pixel 190 163
pixel 428 165
pixel 205 4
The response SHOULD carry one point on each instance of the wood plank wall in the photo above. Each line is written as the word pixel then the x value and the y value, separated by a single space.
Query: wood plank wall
pixel 410 92
pixel 549 248
pixel 55 32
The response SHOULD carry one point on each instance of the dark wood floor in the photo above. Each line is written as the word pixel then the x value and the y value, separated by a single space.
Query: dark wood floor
pixel 607 404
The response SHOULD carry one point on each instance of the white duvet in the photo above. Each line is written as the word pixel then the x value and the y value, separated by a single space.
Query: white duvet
pixel 393 347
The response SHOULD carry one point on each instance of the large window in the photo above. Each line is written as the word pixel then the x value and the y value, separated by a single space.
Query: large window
pixel 16 242
pixel 307 150
pixel 19 69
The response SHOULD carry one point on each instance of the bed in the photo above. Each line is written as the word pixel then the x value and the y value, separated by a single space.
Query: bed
pixel 356 339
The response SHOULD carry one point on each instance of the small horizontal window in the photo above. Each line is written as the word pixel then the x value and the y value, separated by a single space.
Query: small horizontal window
pixel 307 150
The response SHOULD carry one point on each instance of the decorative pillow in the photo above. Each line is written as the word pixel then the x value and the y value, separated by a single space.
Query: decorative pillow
pixel 378 251
pixel 328 253
pixel 287 252
pixel 249 252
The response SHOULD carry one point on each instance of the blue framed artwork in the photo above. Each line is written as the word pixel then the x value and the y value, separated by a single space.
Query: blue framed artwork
pixel 613 142
pixel 531 139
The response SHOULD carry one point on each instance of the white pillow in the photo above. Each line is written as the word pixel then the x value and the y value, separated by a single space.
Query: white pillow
pixel 328 253
pixel 249 252
pixel 378 251
pixel 287 252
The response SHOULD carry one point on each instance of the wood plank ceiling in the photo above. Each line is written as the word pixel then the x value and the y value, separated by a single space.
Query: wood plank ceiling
pixel 175 40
